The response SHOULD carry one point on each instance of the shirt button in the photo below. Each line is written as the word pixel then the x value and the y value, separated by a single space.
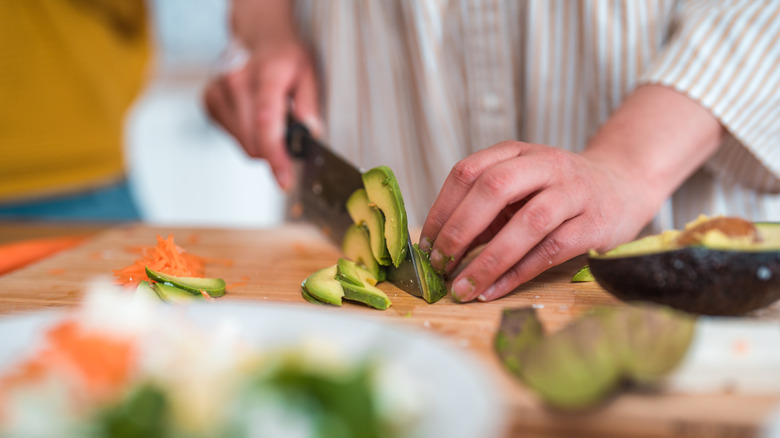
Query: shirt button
pixel 490 101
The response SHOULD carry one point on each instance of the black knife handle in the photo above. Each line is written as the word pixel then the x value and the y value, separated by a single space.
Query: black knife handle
pixel 296 133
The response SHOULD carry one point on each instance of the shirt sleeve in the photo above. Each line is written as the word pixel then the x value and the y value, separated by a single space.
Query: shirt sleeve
pixel 726 55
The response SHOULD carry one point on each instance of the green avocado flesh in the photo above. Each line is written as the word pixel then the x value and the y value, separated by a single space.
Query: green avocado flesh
pixel 583 364
pixel 173 294
pixel 383 191
pixel 583 275
pixel 718 274
pixel 364 213
pixel 215 287
pixel 323 286
pixel 433 286
pixel 356 247
pixel 344 280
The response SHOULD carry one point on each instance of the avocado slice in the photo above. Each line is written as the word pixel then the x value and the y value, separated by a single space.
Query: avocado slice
pixel 173 294
pixel 348 271
pixel 718 274
pixel 215 287
pixel 583 275
pixel 383 191
pixel 144 289
pixel 356 247
pixel 433 285
pixel 307 296
pixel 366 294
pixel 323 286
pixel 364 213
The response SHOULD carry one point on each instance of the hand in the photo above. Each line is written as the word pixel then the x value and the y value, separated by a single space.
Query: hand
pixel 251 103
pixel 535 207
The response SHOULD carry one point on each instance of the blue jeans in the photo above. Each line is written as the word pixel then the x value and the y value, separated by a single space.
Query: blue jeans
pixel 109 204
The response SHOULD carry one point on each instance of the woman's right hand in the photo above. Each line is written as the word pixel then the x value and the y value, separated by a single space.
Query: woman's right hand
pixel 251 102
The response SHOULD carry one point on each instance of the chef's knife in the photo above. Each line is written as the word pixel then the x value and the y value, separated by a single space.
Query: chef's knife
pixel 326 180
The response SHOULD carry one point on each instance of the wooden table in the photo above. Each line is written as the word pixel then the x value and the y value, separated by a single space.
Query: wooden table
pixel 268 265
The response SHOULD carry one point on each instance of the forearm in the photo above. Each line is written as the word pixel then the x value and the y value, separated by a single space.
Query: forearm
pixel 654 142
pixel 262 20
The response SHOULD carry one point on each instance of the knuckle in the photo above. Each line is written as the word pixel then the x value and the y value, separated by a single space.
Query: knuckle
pixel 465 172
pixel 549 250
pixel 537 218
pixel 493 184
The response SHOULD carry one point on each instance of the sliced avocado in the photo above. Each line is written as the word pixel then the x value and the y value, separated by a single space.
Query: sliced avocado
pixel 356 247
pixel 307 296
pixel 364 213
pixel 174 294
pixel 213 286
pixel 433 285
pixel 366 294
pixel 735 277
pixel 146 291
pixel 348 271
pixel 383 191
pixel 323 286
pixel 583 275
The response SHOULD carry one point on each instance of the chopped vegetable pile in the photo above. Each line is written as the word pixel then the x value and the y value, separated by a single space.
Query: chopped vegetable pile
pixel 165 257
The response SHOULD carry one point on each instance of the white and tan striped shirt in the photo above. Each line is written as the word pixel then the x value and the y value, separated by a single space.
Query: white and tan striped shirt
pixel 420 84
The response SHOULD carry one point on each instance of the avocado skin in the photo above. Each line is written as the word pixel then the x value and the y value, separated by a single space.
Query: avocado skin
pixel 694 279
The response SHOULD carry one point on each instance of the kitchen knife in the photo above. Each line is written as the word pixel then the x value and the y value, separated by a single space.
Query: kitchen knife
pixel 325 181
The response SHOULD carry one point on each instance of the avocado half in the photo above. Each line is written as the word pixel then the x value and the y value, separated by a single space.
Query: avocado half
pixel 714 274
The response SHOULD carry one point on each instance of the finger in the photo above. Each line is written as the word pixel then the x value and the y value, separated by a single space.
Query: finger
pixel 497 188
pixel 273 85
pixel 458 183
pixel 219 109
pixel 541 216
pixel 306 102
pixel 570 240
pixel 237 89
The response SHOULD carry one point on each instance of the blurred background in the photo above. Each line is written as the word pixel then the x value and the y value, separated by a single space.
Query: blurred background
pixel 184 169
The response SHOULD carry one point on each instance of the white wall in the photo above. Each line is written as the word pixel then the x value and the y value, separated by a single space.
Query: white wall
pixel 183 169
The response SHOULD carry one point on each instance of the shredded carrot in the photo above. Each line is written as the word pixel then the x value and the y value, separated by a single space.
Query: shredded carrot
pixel 165 257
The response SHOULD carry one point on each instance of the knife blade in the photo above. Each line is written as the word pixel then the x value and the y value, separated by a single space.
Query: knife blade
pixel 326 181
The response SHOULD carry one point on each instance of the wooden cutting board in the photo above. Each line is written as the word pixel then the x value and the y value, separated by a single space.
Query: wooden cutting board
pixel 269 265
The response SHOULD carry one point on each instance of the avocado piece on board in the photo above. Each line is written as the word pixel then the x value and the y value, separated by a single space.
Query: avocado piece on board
pixel 307 296
pixel 363 212
pixel 383 191
pixel 215 287
pixel 520 328
pixel 366 294
pixel 433 286
pixel 173 294
pixel 722 272
pixel 348 271
pixel 323 286
pixel 356 247
pixel 574 368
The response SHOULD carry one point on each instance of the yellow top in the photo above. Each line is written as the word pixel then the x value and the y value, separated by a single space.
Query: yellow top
pixel 69 69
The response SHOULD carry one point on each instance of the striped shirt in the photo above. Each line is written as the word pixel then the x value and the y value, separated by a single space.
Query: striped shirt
pixel 420 84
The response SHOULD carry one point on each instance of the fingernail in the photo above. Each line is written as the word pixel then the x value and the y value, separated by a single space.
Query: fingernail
pixel 462 289
pixel 425 245
pixel 438 261
pixel 487 295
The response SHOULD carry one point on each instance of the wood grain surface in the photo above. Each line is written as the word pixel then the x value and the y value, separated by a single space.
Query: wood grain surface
pixel 268 265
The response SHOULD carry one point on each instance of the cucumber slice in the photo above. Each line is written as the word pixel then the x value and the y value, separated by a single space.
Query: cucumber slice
pixel 146 291
pixel 213 286
pixel 174 294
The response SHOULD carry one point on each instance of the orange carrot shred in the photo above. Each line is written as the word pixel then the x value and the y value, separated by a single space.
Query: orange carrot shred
pixel 165 257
